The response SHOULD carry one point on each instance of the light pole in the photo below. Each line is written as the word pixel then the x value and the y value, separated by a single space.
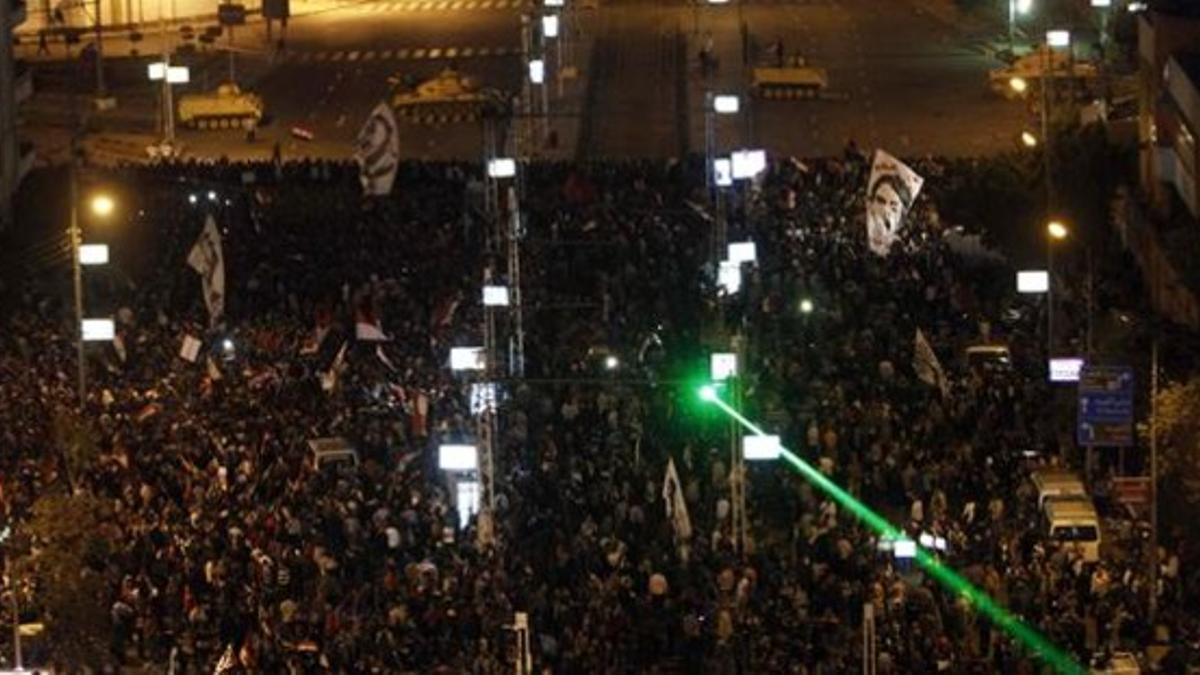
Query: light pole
pixel 101 205
pixel 1055 231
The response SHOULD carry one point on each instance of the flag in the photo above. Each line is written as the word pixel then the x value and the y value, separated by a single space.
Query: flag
pixel 368 327
pixel 926 364
pixel 329 378
pixel 190 349
pixel 377 151
pixel 209 262
pixel 312 344
pixel 227 662
pixel 890 194
pixel 672 494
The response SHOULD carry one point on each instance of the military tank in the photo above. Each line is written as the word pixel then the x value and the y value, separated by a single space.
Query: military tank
pixel 448 97
pixel 226 108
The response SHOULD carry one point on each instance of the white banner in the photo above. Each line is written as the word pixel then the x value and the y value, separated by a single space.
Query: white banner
pixel 926 364
pixel 672 494
pixel 377 151
pixel 209 262
pixel 890 194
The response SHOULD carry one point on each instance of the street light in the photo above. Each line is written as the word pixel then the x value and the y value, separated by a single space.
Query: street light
pixel 1016 7
pixel 1018 84
pixel 1028 139
pixel 725 104
pixel 806 306
pixel 102 205
pixel 1055 231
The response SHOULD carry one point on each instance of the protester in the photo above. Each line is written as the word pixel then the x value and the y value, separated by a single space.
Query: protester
pixel 231 544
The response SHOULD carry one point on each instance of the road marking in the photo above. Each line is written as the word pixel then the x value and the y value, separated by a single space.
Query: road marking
pixel 451 52
pixel 435 53
pixel 337 56
pixel 321 56
pixel 369 56
pixel 418 53
pixel 485 51
pixel 468 52
pixel 457 4
pixel 353 56
pixel 403 53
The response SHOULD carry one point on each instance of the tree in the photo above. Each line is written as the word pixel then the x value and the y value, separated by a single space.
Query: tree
pixel 65 566
pixel 1178 425
pixel 76 442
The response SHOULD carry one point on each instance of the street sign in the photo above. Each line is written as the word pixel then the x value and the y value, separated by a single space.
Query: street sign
pixel 1134 491
pixel 229 14
pixel 1105 406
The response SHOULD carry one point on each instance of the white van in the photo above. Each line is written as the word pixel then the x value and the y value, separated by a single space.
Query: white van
pixel 1073 522
pixel 1057 483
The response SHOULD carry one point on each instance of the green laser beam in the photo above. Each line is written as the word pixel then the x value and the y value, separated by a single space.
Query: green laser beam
pixel 982 602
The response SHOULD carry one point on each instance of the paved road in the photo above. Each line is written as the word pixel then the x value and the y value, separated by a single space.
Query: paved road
pixel 911 82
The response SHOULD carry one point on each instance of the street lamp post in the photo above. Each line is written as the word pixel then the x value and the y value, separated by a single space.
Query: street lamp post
pixel 76 237
pixel 1055 231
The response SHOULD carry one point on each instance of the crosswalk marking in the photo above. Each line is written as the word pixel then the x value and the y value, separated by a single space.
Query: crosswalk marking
pixel 450 5
pixel 398 54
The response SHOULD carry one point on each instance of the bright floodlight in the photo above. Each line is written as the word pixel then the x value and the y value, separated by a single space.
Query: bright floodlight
pixel 722 366
pixel 495 296
pixel 93 254
pixel 1065 369
pixel 1028 139
pixel 611 362
pixel 1058 38
pixel 726 104
pixel 760 448
pixel 1056 230
pixel 717 2
pixel 483 397
pixel 466 358
pixel 537 71
pixel 178 75
pixel 708 393
pixel 467 501
pixel 454 457
pixel 1024 6
pixel 227 346
pixel 212 196
pixel 748 163
pixel 98 330
pixel 1101 3
pixel 502 167
pixel 729 277
pixel 553 3
pixel 550 25
pixel 157 70
pixel 742 252
pixel 1033 281
pixel 103 205
pixel 723 172
pixel 1018 84
pixel 806 306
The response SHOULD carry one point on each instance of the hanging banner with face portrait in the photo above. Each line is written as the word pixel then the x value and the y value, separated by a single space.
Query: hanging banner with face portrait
pixel 378 151
pixel 890 194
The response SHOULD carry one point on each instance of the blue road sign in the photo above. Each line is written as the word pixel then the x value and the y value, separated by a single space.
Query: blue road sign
pixel 1105 406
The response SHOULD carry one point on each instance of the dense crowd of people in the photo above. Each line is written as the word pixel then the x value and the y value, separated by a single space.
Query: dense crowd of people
pixel 228 538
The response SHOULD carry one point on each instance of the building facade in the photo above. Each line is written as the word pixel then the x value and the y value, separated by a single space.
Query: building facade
pixel 16 85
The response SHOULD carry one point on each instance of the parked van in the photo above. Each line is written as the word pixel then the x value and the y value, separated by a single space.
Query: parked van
pixel 1057 483
pixel 1073 522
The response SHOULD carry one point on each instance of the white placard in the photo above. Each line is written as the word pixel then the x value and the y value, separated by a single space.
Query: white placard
pixel 1065 369
pixel 93 254
pixel 502 167
pixel 98 330
pixel 748 163
pixel 742 252
pixel 726 104
pixel 723 172
pixel 550 25
pixel 760 448
pixel 722 366
pixel 1058 38
pixel 454 457
pixel 729 277
pixel 190 349
pixel 1033 281
pixel 466 358
pixel 495 296
pixel 537 71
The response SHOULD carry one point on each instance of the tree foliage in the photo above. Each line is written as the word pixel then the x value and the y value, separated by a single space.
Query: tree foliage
pixel 1178 425
pixel 64 565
